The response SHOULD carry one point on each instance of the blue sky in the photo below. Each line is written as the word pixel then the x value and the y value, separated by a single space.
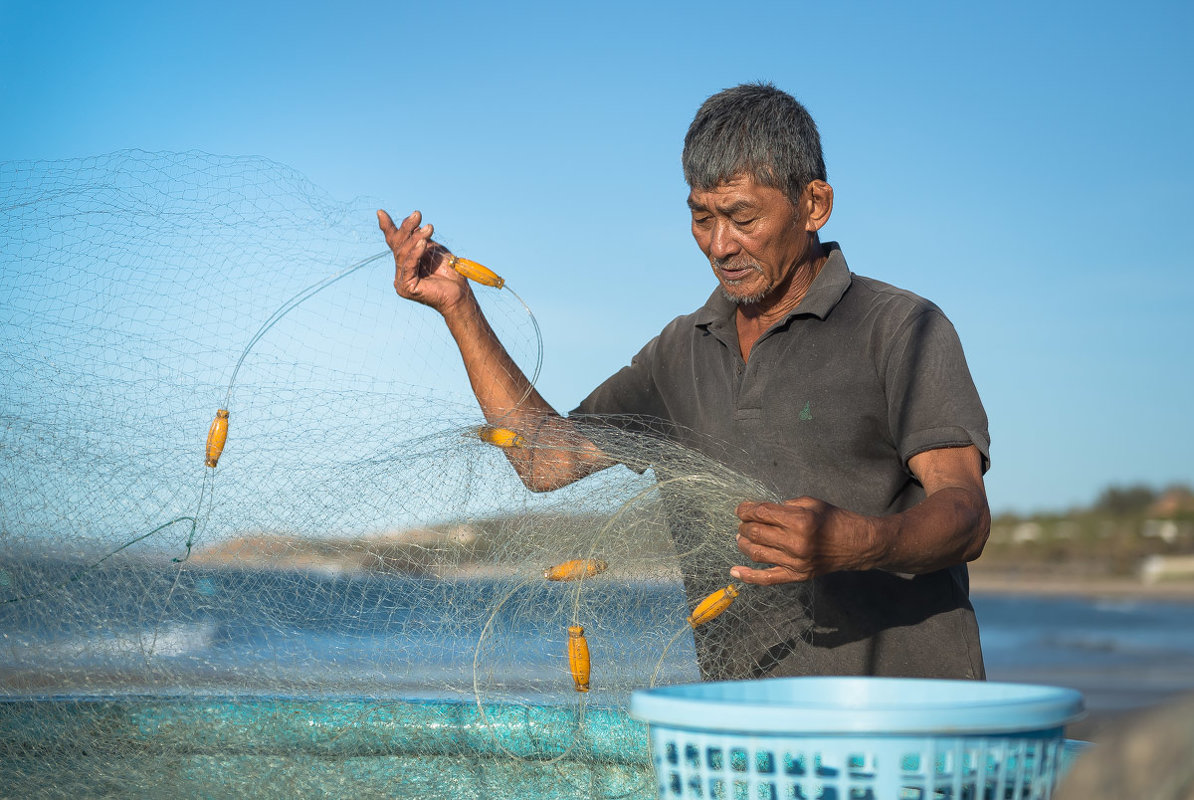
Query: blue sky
pixel 1025 165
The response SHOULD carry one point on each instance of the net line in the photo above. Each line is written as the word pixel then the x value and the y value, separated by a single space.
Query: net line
pixel 362 541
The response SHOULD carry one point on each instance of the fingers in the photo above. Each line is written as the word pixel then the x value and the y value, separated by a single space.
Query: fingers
pixel 777 552
pixel 775 513
pixel 385 222
pixel 777 534
pixel 411 223
pixel 767 577
pixel 789 558
pixel 409 242
pixel 774 526
pixel 400 235
pixel 761 514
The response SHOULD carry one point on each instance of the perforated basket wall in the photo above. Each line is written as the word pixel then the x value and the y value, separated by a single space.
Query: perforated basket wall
pixel 857 739
pixel 691 764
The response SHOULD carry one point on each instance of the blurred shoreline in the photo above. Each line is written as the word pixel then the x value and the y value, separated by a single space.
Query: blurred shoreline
pixel 1036 581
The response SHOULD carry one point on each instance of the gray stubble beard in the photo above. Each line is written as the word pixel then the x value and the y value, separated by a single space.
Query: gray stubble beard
pixel 741 300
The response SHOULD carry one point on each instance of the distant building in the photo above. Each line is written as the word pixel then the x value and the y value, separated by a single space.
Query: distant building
pixel 1172 502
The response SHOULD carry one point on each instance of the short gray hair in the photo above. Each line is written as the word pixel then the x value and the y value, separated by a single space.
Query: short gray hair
pixel 757 130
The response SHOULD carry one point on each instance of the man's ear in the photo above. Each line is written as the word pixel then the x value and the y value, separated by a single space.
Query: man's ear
pixel 818 197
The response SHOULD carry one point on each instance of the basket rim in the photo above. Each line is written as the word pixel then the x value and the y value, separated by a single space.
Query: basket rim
pixel 859 705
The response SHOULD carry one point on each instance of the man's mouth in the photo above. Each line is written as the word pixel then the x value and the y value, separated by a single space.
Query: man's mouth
pixel 733 273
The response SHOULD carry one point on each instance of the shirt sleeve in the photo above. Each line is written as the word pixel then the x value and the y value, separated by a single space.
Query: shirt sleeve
pixel 628 402
pixel 629 398
pixel 931 398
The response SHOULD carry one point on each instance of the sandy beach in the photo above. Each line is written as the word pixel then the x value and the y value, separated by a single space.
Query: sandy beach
pixel 1041 582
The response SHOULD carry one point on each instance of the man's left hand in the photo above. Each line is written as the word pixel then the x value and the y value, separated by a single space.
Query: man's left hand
pixel 802 538
pixel 806 537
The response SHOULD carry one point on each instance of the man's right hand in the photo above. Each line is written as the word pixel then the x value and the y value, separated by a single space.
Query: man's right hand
pixel 422 270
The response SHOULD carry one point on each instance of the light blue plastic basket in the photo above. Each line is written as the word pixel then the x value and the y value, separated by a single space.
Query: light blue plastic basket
pixel 857 739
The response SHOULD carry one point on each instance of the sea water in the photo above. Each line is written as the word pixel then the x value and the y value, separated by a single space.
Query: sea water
pixel 1122 654
pixel 229 638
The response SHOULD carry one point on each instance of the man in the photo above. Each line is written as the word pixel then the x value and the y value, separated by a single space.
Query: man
pixel 845 394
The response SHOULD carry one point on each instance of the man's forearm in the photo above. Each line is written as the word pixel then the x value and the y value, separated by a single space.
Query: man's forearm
pixel 555 453
pixel 806 537
pixel 949 527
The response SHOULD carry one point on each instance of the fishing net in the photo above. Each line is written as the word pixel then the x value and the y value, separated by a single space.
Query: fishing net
pixel 356 595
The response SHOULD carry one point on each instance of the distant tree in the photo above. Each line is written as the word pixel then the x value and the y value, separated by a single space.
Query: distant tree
pixel 1121 500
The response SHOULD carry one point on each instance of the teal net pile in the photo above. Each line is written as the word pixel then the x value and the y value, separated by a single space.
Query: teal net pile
pixel 359 598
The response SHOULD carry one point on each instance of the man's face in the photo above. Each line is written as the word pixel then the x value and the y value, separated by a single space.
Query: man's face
pixel 753 236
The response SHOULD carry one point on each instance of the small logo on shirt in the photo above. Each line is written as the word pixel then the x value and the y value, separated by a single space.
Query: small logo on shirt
pixel 806 413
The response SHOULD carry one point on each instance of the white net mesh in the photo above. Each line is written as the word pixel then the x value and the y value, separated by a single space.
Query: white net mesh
pixel 354 599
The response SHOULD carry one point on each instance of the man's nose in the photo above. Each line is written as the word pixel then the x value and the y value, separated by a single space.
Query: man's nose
pixel 722 243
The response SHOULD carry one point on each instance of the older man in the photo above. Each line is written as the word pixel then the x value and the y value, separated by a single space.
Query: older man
pixel 845 394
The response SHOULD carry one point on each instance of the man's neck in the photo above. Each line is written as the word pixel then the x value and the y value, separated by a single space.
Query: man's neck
pixel 754 319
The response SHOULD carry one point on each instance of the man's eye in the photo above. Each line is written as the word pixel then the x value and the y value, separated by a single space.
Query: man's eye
pixel 703 220
pixel 744 223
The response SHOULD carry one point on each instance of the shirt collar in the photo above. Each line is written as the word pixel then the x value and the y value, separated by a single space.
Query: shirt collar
pixel 831 283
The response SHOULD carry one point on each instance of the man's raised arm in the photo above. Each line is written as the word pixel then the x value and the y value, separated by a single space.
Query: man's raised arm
pixel 556 454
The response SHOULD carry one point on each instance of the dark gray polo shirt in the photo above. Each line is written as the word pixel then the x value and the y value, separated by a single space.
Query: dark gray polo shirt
pixel 834 400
